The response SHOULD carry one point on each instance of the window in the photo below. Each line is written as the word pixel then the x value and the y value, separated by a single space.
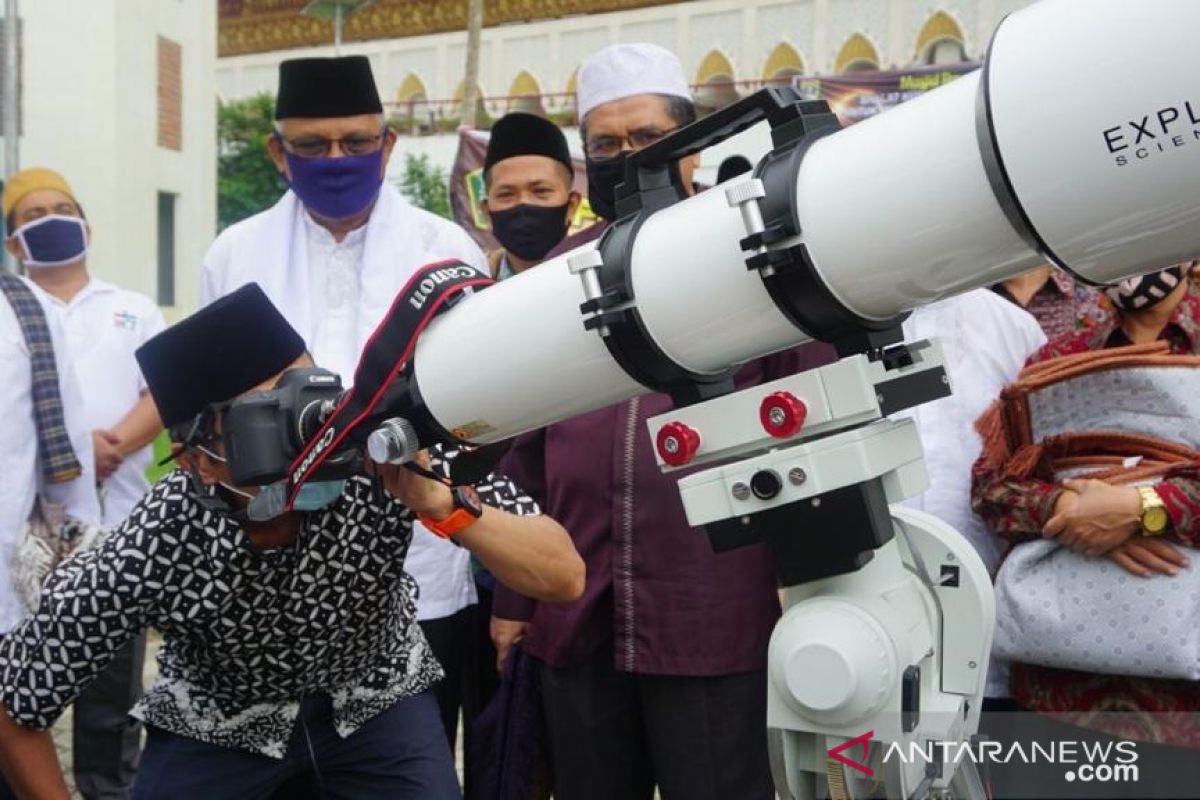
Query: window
pixel 170 94
pixel 945 51
pixel 166 249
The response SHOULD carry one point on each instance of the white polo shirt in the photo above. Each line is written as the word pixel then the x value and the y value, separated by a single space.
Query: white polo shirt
pixel 20 470
pixel 104 324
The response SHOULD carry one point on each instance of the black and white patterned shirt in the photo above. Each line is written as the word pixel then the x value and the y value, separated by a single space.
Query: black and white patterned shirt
pixel 246 633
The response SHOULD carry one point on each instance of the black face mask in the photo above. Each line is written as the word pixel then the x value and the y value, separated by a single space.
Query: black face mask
pixel 529 231
pixel 603 177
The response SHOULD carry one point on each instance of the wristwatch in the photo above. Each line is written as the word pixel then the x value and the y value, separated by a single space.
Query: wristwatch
pixel 1154 512
pixel 467 509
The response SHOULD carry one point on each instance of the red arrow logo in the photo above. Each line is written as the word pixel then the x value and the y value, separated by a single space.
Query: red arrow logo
pixel 850 744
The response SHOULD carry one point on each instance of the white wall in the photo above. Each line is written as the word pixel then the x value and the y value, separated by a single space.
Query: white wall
pixel 90 109
pixel 746 31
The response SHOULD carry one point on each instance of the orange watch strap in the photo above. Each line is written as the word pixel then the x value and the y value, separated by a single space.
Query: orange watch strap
pixel 447 527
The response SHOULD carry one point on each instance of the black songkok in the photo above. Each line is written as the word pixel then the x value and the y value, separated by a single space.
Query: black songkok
pixel 326 87
pixel 733 166
pixel 216 354
pixel 520 134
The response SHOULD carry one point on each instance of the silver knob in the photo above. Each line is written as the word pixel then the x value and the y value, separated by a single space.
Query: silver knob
pixel 393 442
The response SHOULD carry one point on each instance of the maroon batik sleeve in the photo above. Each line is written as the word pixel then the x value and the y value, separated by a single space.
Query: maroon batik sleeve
pixel 1014 509
pixel 1181 496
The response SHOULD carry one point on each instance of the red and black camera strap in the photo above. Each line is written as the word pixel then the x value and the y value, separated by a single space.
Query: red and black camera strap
pixel 385 357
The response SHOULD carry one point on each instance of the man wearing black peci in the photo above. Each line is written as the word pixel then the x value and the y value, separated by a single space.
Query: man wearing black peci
pixel 290 645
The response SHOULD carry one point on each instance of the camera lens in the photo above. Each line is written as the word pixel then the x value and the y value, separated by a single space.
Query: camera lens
pixel 311 418
pixel 766 484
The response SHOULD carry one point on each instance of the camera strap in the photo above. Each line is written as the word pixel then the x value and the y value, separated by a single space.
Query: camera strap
pixel 386 355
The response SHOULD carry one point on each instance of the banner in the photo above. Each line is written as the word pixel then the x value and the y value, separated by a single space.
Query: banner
pixel 854 96
pixel 467 190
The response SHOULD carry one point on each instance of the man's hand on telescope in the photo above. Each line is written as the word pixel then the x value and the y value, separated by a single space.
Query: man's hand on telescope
pixel 1093 517
pixel 420 494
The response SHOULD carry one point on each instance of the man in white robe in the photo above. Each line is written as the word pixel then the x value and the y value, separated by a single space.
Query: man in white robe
pixel 332 254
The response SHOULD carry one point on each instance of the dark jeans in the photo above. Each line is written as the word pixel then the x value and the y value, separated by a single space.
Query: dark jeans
pixel 480 677
pixel 452 641
pixel 106 741
pixel 616 735
pixel 400 754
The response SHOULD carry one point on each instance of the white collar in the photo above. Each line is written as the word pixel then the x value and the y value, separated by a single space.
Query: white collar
pixel 94 286
pixel 319 234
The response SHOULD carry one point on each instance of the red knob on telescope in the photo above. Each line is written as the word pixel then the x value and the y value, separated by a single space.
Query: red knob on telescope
pixel 782 414
pixel 677 443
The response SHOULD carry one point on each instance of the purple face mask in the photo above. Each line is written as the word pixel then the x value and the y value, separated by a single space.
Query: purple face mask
pixel 336 188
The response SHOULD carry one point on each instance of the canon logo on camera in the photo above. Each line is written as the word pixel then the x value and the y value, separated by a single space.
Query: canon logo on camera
pixel 437 278
pixel 1162 131
pixel 319 448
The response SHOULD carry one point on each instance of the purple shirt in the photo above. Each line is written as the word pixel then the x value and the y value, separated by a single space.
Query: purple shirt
pixel 654 585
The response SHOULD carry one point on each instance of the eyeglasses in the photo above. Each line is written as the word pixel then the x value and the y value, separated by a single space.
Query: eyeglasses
pixel 211 453
pixel 356 144
pixel 600 148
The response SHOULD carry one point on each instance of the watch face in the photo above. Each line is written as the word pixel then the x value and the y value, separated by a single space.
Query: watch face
pixel 1155 519
pixel 467 498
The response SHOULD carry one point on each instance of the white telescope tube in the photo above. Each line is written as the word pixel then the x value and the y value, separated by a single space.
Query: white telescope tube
pixel 946 193
pixel 897 211
pixel 1105 167
pixel 515 353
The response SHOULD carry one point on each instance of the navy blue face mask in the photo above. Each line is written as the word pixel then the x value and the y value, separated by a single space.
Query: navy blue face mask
pixel 52 241
pixel 336 188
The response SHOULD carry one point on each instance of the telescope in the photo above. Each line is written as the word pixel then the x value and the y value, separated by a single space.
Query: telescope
pixel 1077 143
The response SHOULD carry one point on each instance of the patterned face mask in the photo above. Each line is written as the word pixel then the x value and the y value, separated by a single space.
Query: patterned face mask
pixel 1144 291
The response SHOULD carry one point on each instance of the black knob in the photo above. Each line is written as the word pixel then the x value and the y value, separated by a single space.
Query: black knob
pixel 766 484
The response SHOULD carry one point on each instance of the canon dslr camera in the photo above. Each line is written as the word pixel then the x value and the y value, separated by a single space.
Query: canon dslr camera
pixel 264 432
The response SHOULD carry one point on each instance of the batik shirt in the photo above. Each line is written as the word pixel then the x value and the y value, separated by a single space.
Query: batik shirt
pixel 1062 306
pixel 1018 510
pixel 246 633
pixel 1164 711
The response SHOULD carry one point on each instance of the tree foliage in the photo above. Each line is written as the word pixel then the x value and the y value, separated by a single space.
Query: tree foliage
pixel 247 181
pixel 426 185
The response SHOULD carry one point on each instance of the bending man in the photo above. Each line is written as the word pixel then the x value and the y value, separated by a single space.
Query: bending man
pixel 289 646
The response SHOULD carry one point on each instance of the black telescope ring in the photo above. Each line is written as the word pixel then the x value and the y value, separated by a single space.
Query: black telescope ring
pixel 793 281
pixel 628 340
pixel 997 175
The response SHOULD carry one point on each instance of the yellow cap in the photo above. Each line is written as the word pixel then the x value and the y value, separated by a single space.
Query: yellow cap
pixel 31 180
